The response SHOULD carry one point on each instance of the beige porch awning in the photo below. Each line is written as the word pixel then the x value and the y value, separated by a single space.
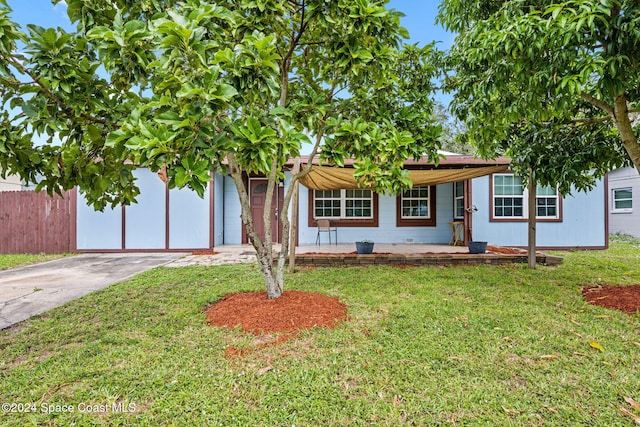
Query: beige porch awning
pixel 334 178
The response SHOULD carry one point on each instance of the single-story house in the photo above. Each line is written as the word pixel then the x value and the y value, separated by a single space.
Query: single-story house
pixel 483 198
pixel 11 183
pixel 624 184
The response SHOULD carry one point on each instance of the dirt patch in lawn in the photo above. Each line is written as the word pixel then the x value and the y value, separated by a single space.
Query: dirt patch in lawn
pixel 623 298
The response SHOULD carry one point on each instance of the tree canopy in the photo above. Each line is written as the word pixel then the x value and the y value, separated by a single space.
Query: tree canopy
pixel 554 85
pixel 179 85
pixel 185 87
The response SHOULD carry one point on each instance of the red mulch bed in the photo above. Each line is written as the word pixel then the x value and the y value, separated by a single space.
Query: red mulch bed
pixel 506 251
pixel 623 298
pixel 293 311
pixel 204 253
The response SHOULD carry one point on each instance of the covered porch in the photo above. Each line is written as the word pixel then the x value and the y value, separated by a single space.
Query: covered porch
pixel 439 201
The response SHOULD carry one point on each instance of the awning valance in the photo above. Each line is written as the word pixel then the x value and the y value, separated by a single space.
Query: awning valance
pixel 334 178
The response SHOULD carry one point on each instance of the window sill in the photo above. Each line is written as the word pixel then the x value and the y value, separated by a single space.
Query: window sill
pixel 498 219
pixel 364 222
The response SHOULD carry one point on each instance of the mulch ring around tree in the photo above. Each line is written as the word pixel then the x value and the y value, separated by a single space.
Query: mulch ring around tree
pixel 281 318
pixel 623 298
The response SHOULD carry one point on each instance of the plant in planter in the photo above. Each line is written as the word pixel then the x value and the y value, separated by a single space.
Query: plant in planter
pixel 477 247
pixel 364 247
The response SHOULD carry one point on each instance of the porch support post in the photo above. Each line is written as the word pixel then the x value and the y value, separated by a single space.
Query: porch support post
pixel 293 235
pixel 532 221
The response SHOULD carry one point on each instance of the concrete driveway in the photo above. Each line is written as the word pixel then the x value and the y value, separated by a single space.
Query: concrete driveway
pixel 37 288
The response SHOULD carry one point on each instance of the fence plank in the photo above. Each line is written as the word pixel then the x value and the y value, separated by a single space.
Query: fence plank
pixel 33 222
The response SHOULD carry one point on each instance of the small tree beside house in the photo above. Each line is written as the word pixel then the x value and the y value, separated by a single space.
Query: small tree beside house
pixel 553 85
pixel 180 87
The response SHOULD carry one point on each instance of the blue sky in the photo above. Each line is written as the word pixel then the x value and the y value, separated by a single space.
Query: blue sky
pixel 419 19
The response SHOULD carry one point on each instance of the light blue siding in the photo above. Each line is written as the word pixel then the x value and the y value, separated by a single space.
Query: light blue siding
pixel 232 212
pixel 98 230
pixel 145 221
pixel 218 209
pixel 188 219
pixel 625 222
pixel 583 221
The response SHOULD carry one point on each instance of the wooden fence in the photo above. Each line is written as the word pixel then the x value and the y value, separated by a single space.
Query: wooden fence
pixel 33 222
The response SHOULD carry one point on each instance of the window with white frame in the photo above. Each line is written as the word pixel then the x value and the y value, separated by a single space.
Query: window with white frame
pixel 415 203
pixel 508 196
pixel 458 200
pixel 622 200
pixel 343 204
pixel 327 204
pixel 546 202
pixel 510 201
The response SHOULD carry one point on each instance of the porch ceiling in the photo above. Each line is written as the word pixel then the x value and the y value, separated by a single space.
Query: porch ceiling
pixel 335 178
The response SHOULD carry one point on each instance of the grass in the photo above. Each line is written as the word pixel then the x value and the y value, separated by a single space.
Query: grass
pixel 485 346
pixel 19 260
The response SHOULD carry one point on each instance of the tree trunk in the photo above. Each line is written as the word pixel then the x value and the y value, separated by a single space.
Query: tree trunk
pixel 264 250
pixel 625 127
pixel 271 279
pixel 531 249
pixel 273 276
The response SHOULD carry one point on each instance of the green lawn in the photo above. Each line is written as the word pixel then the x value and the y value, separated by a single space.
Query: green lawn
pixel 456 346
pixel 19 260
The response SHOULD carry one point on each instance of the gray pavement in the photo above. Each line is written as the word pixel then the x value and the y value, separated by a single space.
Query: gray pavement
pixel 34 289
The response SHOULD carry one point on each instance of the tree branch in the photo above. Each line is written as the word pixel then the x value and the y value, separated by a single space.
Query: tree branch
pixel 66 109
pixel 236 176
pixel 587 120
pixel 598 103
pixel 286 59
pixel 314 152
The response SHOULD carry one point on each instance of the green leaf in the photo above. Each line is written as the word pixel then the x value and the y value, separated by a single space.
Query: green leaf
pixel 29 110
pixel 364 55
pixel 35 158
pixel 94 133
pixel 225 91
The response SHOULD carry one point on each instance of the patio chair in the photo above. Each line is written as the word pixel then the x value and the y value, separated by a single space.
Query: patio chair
pixel 324 226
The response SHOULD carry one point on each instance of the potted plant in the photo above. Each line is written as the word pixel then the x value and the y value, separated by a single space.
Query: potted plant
pixel 364 247
pixel 477 247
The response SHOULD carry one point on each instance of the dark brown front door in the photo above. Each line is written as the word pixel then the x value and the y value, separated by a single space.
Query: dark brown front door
pixel 258 197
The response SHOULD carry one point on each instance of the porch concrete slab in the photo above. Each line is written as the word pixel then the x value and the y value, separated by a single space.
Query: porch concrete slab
pixel 344 254
pixel 34 289
pixel 389 248
pixel 246 254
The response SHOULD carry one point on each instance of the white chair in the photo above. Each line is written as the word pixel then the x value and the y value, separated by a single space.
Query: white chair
pixel 324 226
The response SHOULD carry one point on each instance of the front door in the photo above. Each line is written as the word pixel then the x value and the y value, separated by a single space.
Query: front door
pixel 258 197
